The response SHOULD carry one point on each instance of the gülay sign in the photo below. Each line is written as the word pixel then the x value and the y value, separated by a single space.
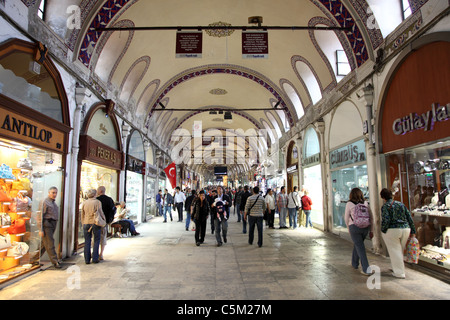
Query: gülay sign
pixel 425 121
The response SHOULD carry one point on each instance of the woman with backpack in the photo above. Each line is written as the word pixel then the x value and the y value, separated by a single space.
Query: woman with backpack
pixel 358 218
pixel 396 227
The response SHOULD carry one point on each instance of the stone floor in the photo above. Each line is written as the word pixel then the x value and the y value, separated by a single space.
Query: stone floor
pixel 164 263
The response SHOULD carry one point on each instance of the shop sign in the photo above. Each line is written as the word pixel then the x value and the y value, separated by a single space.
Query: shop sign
pixel 352 153
pixel 135 165
pixel 292 168
pixel 100 153
pixel 311 160
pixel 424 121
pixel 29 131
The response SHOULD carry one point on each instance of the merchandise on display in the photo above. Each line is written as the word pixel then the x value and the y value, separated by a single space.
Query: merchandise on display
pixel 25 175
pixel 429 172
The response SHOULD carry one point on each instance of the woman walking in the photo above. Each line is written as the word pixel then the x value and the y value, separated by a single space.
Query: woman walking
pixel 306 205
pixel 396 227
pixel 358 231
pixel 89 210
pixel 200 213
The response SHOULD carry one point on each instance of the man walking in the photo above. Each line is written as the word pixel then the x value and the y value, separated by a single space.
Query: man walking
pixel 237 203
pixel 221 219
pixel 254 211
pixel 168 202
pixel 179 199
pixel 244 198
pixel 50 215
pixel 282 207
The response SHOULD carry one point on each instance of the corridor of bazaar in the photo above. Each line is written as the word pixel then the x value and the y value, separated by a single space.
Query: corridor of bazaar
pixel 130 128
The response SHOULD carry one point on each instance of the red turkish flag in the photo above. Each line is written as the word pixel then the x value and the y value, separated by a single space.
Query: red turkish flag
pixel 171 173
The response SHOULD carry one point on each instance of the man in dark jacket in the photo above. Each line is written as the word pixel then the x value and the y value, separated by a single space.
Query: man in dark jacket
pixel 187 208
pixel 210 199
pixel 244 197
pixel 237 203
pixel 109 209
pixel 221 222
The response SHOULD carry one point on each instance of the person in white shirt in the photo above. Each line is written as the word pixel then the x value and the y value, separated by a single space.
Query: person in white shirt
pixel 179 200
pixel 270 205
pixel 294 205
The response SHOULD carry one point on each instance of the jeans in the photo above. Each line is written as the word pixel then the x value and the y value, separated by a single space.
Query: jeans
pixel 270 217
pixel 238 211
pixel 188 219
pixel 159 211
pixel 132 227
pixel 292 217
pixel 259 224
pixel 283 214
pixel 167 209
pixel 308 218
pixel 244 223
pixel 359 250
pixel 200 230
pixel 96 231
pixel 220 225
pixel 179 207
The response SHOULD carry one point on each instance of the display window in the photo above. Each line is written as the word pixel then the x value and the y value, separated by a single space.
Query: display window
pixel 93 176
pixel 100 159
pixel 348 170
pixel 26 174
pixel 416 147
pixel 343 181
pixel 34 130
pixel 312 175
pixel 420 178
pixel 135 175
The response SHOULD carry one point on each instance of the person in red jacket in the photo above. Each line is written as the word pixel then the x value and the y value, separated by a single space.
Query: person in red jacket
pixel 306 206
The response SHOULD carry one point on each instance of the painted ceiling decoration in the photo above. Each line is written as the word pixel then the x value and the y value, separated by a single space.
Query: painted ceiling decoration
pixel 141 69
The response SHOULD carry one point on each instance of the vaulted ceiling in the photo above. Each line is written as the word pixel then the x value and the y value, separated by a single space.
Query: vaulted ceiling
pixel 141 70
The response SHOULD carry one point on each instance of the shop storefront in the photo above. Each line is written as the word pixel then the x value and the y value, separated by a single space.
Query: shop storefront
pixel 100 159
pixel 348 170
pixel 312 175
pixel 135 174
pixel 34 128
pixel 416 146
pixel 292 167
pixel 151 189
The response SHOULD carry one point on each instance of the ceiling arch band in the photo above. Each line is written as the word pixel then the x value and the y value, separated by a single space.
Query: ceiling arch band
pixel 226 69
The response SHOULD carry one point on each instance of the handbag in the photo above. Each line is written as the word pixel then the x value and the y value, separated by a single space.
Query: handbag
pixel 98 219
pixel 18 249
pixel 17 226
pixel 5 241
pixel 5 219
pixel 412 250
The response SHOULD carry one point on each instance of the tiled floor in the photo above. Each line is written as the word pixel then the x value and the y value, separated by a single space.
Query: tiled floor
pixel 164 263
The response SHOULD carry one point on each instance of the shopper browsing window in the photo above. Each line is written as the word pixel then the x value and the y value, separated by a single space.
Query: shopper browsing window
pixel 396 227
pixel 358 232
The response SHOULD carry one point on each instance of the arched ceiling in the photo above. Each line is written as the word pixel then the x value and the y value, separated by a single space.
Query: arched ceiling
pixel 140 67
